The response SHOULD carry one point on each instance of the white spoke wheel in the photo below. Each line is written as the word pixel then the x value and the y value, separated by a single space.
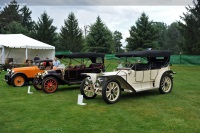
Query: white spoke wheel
pixel 111 92
pixel 87 90
pixel 166 84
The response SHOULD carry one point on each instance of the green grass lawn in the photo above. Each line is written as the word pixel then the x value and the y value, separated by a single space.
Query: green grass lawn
pixel 142 112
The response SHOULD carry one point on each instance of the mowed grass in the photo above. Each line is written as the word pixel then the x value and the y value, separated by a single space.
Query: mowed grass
pixel 142 112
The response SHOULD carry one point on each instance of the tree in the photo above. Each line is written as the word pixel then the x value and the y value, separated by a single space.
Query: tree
pixel 26 18
pixel 16 28
pixel 143 35
pixel 117 36
pixel 190 29
pixel 161 29
pixel 99 38
pixel 71 36
pixel 44 30
pixel 9 14
pixel 173 39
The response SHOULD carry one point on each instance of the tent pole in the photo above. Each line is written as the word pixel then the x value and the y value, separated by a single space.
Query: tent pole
pixel 3 55
pixel 26 53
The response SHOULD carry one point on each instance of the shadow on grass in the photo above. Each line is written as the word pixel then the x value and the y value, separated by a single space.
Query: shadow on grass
pixel 139 95
pixel 67 88
pixel 125 96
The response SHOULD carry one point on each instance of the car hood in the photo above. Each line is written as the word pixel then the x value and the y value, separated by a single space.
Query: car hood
pixel 24 68
pixel 120 73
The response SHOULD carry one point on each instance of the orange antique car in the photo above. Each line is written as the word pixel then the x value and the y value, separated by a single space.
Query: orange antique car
pixel 22 75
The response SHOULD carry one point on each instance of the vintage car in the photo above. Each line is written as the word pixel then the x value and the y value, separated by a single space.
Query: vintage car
pixel 77 63
pixel 22 75
pixel 142 70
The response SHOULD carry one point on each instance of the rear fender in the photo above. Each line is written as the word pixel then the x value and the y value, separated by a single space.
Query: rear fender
pixel 158 78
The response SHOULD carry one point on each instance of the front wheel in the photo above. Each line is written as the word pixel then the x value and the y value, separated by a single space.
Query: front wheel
pixel 49 84
pixel 18 80
pixel 111 92
pixel 87 90
pixel 37 83
pixel 166 84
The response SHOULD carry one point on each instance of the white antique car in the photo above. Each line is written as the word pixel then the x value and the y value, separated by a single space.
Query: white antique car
pixel 142 70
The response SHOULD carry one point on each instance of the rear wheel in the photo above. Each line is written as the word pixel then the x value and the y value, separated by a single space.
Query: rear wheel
pixel 37 83
pixel 166 84
pixel 18 80
pixel 87 90
pixel 111 92
pixel 49 84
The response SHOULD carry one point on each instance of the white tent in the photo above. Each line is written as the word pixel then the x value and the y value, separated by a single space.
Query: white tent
pixel 18 48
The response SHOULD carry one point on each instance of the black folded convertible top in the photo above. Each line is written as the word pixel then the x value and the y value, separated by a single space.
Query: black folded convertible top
pixel 81 55
pixel 45 60
pixel 146 53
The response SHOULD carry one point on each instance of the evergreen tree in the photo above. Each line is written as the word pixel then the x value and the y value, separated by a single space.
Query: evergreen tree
pixel 44 30
pixel 173 39
pixel 100 38
pixel 16 28
pixel 117 36
pixel 143 35
pixel 9 14
pixel 161 29
pixel 190 29
pixel 26 18
pixel 71 36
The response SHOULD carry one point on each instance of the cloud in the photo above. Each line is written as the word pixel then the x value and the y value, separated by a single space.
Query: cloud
pixel 102 2
pixel 119 18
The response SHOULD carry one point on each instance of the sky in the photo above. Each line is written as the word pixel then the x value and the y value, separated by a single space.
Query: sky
pixel 116 14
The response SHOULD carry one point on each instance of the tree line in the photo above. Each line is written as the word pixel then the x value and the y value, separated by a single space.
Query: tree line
pixel 181 37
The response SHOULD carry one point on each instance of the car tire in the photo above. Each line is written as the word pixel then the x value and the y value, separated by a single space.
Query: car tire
pixel 37 84
pixel 86 90
pixel 18 80
pixel 49 85
pixel 166 84
pixel 111 91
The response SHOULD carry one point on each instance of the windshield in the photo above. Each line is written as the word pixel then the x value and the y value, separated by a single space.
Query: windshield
pixel 129 62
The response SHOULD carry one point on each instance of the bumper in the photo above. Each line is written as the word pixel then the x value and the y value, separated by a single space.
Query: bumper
pixel 8 78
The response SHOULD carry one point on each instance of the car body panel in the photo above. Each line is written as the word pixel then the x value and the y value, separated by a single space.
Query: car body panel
pixel 28 72
pixel 138 77
pixel 72 74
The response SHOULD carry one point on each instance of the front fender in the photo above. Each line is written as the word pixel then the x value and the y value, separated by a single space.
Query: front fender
pixel 158 78
pixel 93 76
pixel 16 74
pixel 122 82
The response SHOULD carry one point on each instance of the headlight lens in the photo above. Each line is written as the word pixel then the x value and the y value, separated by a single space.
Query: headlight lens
pixel 44 73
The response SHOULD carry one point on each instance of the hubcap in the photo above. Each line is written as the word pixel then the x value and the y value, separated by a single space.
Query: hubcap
pixel 19 81
pixel 50 85
pixel 89 92
pixel 166 86
pixel 112 91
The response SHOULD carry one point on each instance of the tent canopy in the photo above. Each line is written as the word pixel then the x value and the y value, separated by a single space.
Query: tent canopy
pixel 22 41
pixel 19 47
